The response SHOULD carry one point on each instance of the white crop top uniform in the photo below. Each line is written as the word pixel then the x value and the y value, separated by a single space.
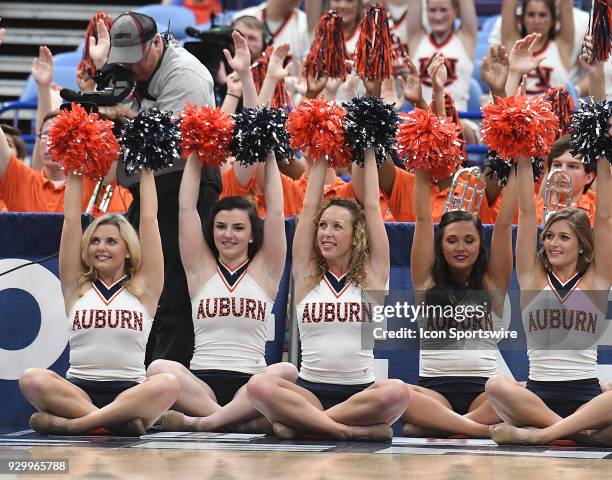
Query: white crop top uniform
pixel 550 73
pixel 231 316
pixel 458 63
pixel 109 328
pixel 475 357
pixel 563 327
pixel 330 320
pixel 293 30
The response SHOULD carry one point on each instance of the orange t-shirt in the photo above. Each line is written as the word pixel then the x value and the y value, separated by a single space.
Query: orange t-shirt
pixel 401 201
pixel 346 191
pixel 539 203
pixel 588 202
pixel 3 207
pixel 292 192
pixel 27 190
pixel 341 189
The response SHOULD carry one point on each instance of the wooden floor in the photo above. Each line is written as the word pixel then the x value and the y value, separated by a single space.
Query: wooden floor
pixel 237 457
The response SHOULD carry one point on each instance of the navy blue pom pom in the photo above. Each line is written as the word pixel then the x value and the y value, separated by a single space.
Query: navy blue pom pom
pixel 152 139
pixel 589 132
pixel 499 169
pixel 257 132
pixel 370 123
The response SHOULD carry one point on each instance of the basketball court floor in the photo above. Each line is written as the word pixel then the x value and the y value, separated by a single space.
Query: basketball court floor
pixel 215 456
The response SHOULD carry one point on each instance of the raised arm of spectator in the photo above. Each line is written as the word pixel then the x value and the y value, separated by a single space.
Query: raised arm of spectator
pixel 595 71
pixel 275 73
pixel 152 266
pixel 233 94
pixel 42 73
pixel 565 36
pixel 469 24
pixel 314 86
pixel 438 74
pixel 241 64
pixel 99 49
pixel 70 245
pixel 388 92
pixel 5 153
pixel 495 69
pixel 509 28
pixel 522 61
pixel 414 25
pixel 410 81
pixel 313 10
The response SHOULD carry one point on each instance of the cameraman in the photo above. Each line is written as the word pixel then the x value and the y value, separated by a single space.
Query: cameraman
pixel 166 77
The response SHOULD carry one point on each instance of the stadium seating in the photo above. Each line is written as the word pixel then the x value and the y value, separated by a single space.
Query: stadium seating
pixel 179 17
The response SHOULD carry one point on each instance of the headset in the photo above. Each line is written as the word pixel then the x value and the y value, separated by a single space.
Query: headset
pixel 267 37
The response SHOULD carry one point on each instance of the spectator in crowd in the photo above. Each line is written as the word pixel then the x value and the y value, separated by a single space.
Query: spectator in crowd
pixel 560 158
pixel 550 53
pixel 167 77
pixel 15 142
pixel 396 183
pixel 255 33
pixel 86 70
pixel 51 196
pixel 351 12
pixel 581 26
pixel 17 147
pixel 457 45
pixel 25 189
pixel 285 22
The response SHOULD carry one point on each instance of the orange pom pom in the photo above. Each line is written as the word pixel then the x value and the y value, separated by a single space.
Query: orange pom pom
pixel 82 143
pixel 316 128
pixel 428 142
pixel 519 126
pixel 206 132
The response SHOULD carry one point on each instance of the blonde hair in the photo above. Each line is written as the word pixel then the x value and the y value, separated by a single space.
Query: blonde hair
pixel 356 272
pixel 578 221
pixel 128 234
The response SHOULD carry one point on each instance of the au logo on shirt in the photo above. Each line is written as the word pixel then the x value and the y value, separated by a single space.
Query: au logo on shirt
pixel 451 69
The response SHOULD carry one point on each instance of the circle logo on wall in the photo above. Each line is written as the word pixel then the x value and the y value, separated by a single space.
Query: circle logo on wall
pixel 52 337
